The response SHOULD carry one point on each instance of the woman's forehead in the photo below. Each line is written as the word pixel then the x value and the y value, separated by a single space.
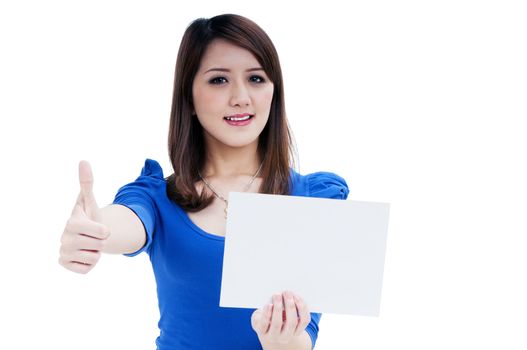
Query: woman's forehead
pixel 221 53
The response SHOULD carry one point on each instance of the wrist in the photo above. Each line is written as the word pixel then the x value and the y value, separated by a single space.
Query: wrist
pixel 300 342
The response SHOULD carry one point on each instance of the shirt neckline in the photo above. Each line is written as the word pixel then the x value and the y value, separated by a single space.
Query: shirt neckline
pixel 183 214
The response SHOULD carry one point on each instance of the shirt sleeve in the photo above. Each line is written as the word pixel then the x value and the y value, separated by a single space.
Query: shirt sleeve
pixel 327 185
pixel 324 185
pixel 139 196
pixel 312 328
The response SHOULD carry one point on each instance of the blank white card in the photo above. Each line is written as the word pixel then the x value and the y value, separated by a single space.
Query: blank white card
pixel 329 251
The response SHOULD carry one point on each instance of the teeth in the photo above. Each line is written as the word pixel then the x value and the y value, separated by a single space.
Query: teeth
pixel 238 119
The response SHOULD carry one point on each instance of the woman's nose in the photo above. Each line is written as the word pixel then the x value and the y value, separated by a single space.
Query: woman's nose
pixel 240 95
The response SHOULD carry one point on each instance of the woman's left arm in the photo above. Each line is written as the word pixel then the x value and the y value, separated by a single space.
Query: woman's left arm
pixel 282 324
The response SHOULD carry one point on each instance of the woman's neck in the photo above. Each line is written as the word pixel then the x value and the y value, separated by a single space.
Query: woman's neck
pixel 229 162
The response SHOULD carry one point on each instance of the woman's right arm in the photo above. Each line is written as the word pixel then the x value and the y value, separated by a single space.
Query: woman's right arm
pixel 91 230
pixel 127 231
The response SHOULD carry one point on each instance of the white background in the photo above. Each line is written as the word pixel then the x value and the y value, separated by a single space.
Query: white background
pixel 417 103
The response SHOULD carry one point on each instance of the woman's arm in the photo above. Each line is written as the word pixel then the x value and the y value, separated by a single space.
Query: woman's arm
pixel 127 233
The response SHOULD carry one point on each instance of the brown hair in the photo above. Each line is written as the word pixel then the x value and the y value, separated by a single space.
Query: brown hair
pixel 185 137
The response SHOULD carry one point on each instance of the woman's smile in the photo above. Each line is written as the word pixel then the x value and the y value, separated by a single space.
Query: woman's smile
pixel 239 119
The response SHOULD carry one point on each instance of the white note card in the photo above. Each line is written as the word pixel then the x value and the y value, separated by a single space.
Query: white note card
pixel 329 251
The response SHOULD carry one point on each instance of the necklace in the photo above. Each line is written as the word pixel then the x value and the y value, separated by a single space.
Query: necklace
pixel 220 196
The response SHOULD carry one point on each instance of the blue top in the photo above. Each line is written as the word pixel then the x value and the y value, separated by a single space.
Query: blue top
pixel 187 264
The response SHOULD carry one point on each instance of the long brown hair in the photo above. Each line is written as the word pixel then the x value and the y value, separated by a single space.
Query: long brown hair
pixel 186 145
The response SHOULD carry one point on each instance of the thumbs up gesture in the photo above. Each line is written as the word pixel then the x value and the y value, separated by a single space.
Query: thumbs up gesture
pixel 84 236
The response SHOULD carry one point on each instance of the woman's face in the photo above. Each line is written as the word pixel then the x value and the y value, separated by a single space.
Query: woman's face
pixel 231 84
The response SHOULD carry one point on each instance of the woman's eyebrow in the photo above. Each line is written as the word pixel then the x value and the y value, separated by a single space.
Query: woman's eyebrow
pixel 228 70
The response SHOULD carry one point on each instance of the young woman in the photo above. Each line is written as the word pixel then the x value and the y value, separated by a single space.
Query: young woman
pixel 228 132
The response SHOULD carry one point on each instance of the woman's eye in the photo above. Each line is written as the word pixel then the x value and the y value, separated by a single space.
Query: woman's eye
pixel 257 79
pixel 218 80
pixel 222 80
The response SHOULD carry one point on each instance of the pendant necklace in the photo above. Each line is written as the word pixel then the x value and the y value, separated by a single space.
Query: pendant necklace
pixel 221 197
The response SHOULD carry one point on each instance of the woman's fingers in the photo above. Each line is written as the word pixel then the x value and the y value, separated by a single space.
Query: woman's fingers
pixel 87 227
pixel 77 267
pixel 303 314
pixel 275 328
pixel 291 315
pixel 81 261
pixel 81 244
pixel 287 317
pixel 76 241
pixel 81 256
pixel 86 257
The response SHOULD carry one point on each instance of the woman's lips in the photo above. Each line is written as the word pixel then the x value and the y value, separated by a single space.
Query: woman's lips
pixel 239 119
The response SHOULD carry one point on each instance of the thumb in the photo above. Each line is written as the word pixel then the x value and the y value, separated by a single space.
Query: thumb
pixel 86 197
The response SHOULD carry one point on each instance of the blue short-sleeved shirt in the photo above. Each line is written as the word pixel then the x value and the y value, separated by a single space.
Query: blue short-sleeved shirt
pixel 187 264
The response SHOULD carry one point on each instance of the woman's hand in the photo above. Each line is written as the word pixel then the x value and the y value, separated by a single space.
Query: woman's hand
pixel 283 320
pixel 83 237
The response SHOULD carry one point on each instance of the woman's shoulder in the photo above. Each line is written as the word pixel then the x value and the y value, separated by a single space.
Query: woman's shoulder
pixel 322 184
pixel 146 194
pixel 152 169
pixel 149 181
